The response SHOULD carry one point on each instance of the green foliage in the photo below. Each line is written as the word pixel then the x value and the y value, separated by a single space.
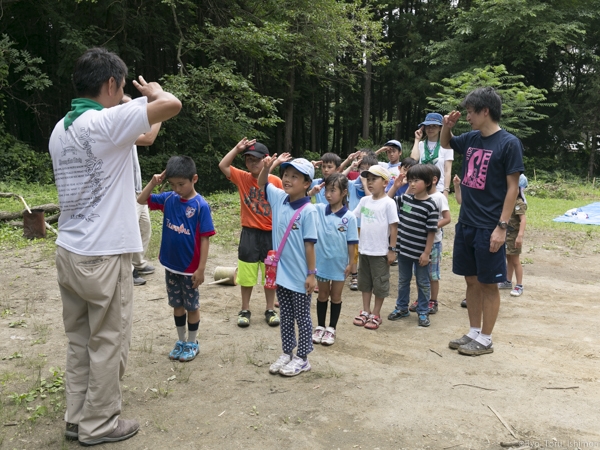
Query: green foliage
pixel 19 162
pixel 518 100
pixel 221 106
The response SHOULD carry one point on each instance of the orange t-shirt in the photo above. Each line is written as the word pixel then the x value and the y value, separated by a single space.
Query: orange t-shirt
pixel 256 211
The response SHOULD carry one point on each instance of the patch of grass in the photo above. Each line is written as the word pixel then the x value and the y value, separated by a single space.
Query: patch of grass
pixel 225 207
pixel 35 195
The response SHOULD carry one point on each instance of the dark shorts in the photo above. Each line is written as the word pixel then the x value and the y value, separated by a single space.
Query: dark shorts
pixel 180 291
pixel 472 256
pixel 254 245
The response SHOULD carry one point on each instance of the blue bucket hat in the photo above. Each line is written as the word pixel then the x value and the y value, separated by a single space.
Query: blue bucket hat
pixel 301 165
pixel 432 119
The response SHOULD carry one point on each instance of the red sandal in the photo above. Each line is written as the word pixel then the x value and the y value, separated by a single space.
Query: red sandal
pixel 373 323
pixel 361 319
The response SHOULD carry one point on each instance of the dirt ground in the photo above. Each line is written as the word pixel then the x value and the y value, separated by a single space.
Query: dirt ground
pixel 399 387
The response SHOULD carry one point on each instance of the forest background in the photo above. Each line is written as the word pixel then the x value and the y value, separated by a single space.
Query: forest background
pixel 308 76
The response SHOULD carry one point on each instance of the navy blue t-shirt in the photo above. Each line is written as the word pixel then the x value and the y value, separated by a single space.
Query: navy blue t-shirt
pixel 486 163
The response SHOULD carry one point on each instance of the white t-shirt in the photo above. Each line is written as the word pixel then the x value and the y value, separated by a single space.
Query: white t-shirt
pixel 93 171
pixel 442 205
pixel 375 219
pixel 445 154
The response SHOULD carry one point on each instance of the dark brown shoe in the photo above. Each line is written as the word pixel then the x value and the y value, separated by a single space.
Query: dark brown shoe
pixel 72 431
pixel 125 429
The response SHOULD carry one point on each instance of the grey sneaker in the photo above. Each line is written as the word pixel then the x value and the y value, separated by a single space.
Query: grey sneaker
pixel 72 431
pixel 125 429
pixel 505 285
pixel 137 280
pixel 146 270
pixel 458 342
pixel 281 361
pixel 474 348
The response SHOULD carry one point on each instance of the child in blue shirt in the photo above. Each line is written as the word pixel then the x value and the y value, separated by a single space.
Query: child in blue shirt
pixel 330 163
pixel 338 237
pixel 187 225
pixel 296 270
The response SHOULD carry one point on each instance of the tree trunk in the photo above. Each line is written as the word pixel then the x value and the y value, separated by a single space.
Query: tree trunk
pixel 289 115
pixel 313 126
pixel 591 163
pixel 367 102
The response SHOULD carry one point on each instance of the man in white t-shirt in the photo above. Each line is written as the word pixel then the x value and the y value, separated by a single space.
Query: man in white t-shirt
pixel 93 170
pixel 140 265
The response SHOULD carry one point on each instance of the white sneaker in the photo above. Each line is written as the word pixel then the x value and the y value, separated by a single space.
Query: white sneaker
pixel 318 335
pixel 295 367
pixel 281 361
pixel 328 336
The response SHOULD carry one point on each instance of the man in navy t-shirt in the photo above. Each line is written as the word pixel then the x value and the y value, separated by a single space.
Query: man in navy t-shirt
pixel 492 163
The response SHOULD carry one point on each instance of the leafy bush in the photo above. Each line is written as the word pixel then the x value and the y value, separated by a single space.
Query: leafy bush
pixel 20 162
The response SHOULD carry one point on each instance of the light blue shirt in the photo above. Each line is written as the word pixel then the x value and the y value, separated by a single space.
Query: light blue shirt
pixel 319 196
pixel 355 193
pixel 292 267
pixel 336 231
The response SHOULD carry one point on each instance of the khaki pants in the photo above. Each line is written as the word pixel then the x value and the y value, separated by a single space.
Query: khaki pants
pixel 97 296
pixel 139 259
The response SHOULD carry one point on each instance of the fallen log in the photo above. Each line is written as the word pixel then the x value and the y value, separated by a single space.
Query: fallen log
pixel 48 208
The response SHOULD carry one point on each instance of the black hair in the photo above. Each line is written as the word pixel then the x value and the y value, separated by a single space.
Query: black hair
pixel 435 171
pixel 484 97
pixel 421 172
pixel 370 159
pixel 338 179
pixel 180 167
pixel 368 151
pixel 94 68
pixel 408 162
pixel 332 158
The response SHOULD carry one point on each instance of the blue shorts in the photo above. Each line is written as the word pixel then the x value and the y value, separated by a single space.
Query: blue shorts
pixel 472 256
pixel 180 291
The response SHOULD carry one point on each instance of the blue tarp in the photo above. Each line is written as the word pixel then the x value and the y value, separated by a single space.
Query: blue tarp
pixel 587 215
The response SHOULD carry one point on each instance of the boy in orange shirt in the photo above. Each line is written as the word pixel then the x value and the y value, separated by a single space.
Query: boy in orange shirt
pixel 255 239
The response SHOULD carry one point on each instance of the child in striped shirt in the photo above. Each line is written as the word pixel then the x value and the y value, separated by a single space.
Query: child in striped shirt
pixel 416 232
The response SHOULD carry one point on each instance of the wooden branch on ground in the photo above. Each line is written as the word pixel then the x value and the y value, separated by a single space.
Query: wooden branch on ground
pixel 48 208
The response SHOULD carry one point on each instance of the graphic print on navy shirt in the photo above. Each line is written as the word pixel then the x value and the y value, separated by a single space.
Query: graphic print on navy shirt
pixel 477 163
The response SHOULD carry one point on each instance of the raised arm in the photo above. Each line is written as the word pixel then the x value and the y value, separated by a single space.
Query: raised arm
pixel 415 154
pixel 161 105
pixel 263 176
pixel 448 123
pixel 156 180
pixel 147 139
pixel 228 159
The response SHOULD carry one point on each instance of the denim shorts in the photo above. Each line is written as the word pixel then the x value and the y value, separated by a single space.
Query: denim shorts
pixel 434 262
pixel 180 291
pixel 472 256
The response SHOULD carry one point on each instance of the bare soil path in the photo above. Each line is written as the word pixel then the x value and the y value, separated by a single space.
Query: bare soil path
pixel 399 387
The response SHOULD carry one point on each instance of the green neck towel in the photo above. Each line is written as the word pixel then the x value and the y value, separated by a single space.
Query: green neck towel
pixel 78 107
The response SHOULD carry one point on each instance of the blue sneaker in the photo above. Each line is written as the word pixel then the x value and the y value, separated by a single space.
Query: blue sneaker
pixel 424 320
pixel 397 315
pixel 177 350
pixel 190 350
